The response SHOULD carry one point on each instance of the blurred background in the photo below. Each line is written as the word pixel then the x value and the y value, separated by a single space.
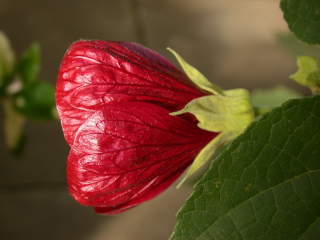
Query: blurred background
pixel 234 43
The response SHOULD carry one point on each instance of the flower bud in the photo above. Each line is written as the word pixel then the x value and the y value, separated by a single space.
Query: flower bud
pixel 114 100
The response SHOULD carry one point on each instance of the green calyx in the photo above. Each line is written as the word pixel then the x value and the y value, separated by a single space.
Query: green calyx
pixel 308 73
pixel 227 112
pixel 231 112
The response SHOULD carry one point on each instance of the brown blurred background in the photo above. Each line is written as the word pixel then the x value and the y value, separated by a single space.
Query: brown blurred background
pixel 231 41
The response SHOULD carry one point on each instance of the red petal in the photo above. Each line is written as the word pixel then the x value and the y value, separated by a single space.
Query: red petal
pixel 127 153
pixel 94 73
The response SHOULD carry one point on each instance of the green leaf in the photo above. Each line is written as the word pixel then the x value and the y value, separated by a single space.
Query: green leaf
pixel 307 66
pixel 29 64
pixel 303 18
pixel 267 99
pixel 265 185
pixel 295 47
pixel 308 73
pixel 36 101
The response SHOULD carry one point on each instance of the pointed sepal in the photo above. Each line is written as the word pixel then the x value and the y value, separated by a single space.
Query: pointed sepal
pixel 229 115
pixel 196 76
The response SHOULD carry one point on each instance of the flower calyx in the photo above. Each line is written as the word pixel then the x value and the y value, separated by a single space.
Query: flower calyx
pixel 227 112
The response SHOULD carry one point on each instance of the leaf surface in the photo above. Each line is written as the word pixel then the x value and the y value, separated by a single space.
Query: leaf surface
pixel 265 185
pixel 303 18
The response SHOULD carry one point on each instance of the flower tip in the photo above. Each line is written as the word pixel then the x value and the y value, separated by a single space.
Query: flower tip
pixel 170 50
pixel 176 55
pixel 182 111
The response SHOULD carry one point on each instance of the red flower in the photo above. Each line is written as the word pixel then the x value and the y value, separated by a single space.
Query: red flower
pixel 114 100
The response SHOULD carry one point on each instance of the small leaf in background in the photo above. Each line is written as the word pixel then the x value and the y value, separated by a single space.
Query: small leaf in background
pixel 308 73
pixel 295 47
pixel 303 18
pixel 29 64
pixel 1 74
pixel 6 57
pixel 36 101
pixel 267 99
pixel 265 185
pixel 13 127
